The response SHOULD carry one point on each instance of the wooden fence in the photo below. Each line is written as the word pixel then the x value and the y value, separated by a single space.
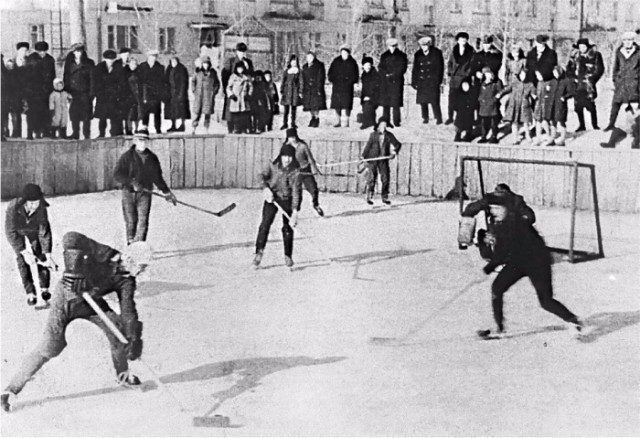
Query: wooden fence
pixel 222 161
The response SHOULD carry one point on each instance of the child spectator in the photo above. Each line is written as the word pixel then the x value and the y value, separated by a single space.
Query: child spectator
pixel 134 98
pixel 260 110
pixel 489 105
pixel 464 107
pixel 59 101
pixel 239 92
pixel 543 113
pixel 205 86
pixel 519 109
pixel 274 98
pixel 291 91
pixel 564 90
pixel 370 93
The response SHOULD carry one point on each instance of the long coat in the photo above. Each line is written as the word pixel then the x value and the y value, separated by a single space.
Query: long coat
pixel 465 105
pixel 371 84
pixel 459 66
pixel 392 68
pixel 343 74
pixel 427 75
pixel 626 76
pixel 520 104
pixel 552 99
pixel 153 82
pixel 41 71
pixel 585 70
pixel 111 91
pixel 513 67
pixel 204 86
pixel 239 90
pixel 135 95
pixel 491 58
pixel 545 64
pixel 291 87
pixel 314 97
pixel 488 103
pixel 78 80
pixel 178 81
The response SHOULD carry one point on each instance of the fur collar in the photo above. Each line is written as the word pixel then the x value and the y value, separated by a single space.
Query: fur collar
pixel 468 52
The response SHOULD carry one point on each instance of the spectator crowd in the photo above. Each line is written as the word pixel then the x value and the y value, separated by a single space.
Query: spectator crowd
pixel 123 93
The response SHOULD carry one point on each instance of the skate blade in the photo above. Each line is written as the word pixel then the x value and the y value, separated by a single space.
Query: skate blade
pixel 382 341
pixel 215 421
pixel 42 306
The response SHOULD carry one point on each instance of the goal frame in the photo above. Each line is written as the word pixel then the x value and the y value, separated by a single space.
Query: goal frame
pixel 574 255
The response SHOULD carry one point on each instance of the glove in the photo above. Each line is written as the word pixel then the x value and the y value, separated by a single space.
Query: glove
pixel 136 186
pixel 50 263
pixel 233 97
pixel 488 269
pixel 294 219
pixel 28 257
pixel 170 197
pixel 267 194
pixel 134 347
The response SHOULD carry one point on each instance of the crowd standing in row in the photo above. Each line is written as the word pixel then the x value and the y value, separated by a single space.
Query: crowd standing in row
pixel 127 93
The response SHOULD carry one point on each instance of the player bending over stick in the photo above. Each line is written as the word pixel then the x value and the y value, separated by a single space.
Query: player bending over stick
pixel 99 270
pixel 308 167
pixel 516 244
pixel 282 186
pixel 381 143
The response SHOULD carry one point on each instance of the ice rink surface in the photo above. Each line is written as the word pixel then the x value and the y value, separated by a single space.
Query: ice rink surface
pixel 288 352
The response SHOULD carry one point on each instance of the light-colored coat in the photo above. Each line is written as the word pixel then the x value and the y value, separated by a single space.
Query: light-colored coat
pixel 241 88
pixel 205 86
pixel 59 104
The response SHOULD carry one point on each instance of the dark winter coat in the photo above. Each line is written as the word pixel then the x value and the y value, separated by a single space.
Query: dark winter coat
pixel 548 60
pixel 427 75
pixel 552 99
pixel 204 86
pixel 626 76
pixel 314 97
pixel 513 67
pixel 274 97
pixel 491 58
pixel 291 87
pixel 585 70
pixel 343 74
pixel 41 71
pixel 285 183
pixel 389 144
pixel 78 80
pixel 11 89
pixel 465 105
pixel 36 227
pixel 519 107
pixel 154 84
pixel 261 102
pixel 131 167
pixel 135 88
pixel 371 84
pixel 178 80
pixel 459 66
pixel 563 92
pixel 392 68
pixel 111 91
pixel 488 103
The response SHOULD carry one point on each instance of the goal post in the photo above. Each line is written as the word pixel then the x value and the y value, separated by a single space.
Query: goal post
pixel 573 254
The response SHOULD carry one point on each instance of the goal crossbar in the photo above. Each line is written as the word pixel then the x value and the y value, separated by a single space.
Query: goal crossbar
pixel 573 254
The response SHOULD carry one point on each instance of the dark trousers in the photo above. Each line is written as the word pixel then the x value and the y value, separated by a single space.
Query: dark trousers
pixel 289 109
pixel 115 126
pixel 86 128
pixel 16 123
pixel 25 270
pixel 239 123
pixel 379 167
pixel 489 123
pixel 615 109
pixel 540 277
pixel 386 110
pixel 437 112
pixel 147 110
pixel 368 114
pixel 309 182
pixel 589 106
pixel 269 212
pixel 59 132
pixel 453 95
pixel 136 207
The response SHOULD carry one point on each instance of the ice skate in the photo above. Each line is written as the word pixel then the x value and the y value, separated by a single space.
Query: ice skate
pixel 319 210
pixel 32 299
pixel 369 198
pixel 288 261
pixel 257 259
pixel 128 380
pixel 4 401
pixel 489 334
pixel 45 294
pixel 386 201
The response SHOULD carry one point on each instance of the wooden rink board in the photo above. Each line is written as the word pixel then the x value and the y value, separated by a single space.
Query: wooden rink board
pixel 63 167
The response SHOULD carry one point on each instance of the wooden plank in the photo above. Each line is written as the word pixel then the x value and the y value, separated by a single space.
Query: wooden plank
pixel 65 162
pixel 208 162
pixel 177 162
pixel 319 150
pixel 404 169
pixel 437 189
pixel 333 156
pixel 414 174
pixel 85 174
pixel 229 158
pixel 219 161
pixel 200 161
pixel 10 169
pixel 189 146
pixel 344 152
pixel 426 169
pixel 249 162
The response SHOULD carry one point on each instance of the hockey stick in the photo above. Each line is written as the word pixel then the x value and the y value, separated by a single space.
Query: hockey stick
pixel 388 157
pixel 118 334
pixel 408 335
pixel 220 213
pixel 345 175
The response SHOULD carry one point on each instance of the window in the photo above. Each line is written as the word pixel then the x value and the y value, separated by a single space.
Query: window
pixel 167 39
pixel 574 9
pixel 36 33
pixel 122 36
pixel 457 6
pixel 530 8
pixel 344 3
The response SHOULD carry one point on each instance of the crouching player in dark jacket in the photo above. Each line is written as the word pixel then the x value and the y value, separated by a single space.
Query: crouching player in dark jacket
pixel 282 186
pixel 99 270
pixel 516 244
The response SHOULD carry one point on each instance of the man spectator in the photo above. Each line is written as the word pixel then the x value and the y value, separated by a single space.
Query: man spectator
pixel 177 107
pixel 586 68
pixel 314 98
pixel 78 80
pixel 626 77
pixel 124 54
pixel 20 75
pixel 343 74
pixel 12 98
pixel 110 88
pixel 541 58
pixel 392 67
pixel 227 71
pixel 5 95
pixel 41 71
pixel 488 56
pixel 154 90
pixel 458 69
pixel 427 76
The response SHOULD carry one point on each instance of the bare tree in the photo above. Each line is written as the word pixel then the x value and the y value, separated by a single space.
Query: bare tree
pixel 77 24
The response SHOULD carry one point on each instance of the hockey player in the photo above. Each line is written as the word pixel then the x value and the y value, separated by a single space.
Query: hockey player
pixel 308 167
pixel 381 143
pixel 27 217
pixel 99 270
pixel 137 171
pixel 516 244
pixel 282 186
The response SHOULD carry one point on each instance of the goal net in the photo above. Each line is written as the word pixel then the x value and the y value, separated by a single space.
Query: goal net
pixel 551 188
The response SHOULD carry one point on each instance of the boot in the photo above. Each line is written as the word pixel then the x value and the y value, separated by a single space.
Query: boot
pixel 258 258
pixel 369 198
pixel 4 401
pixel 288 261
pixel 32 299
pixel 319 210
pixel 128 380
pixel 344 120
pixel 45 294
pixel 386 201
pixel 594 120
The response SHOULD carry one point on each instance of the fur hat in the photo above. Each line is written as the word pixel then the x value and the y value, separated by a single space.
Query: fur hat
pixel 291 132
pixel 109 54
pixel 486 69
pixel 32 192
pixel 142 134
pixel 542 38
pixel 497 198
pixel 57 81
pixel 77 47
pixel 425 40
pixel 287 150
pixel 392 42
pixel 487 39
pixel 381 120
pixel 366 59
pixel 464 35
pixel 239 64
pixel 241 47
pixel 205 58
pixel 22 44
pixel 345 47
pixel 124 50
pixel 267 72
pixel 152 52
pixel 41 46
pixel 584 41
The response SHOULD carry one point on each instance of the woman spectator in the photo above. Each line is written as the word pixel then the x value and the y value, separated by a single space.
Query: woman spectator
pixel 109 89
pixel 204 86
pixel 178 107
pixel 370 93
pixel 516 62
pixel 78 80
pixel 291 91
pixel 239 90
pixel 343 74
pixel 314 98
pixel 134 98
